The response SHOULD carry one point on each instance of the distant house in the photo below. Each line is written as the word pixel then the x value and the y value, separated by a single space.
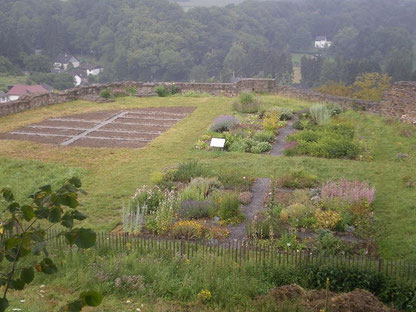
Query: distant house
pixel 91 70
pixel 16 91
pixel 3 97
pixel 80 77
pixel 63 60
pixel 321 42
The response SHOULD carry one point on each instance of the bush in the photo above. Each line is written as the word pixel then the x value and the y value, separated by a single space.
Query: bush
pixel 247 103
pixel 261 147
pixel 106 93
pixel 298 178
pixel 199 188
pixel 271 121
pixel 327 219
pixel 320 114
pixel 239 146
pixel 193 209
pixel 228 205
pixel 161 91
pixel 131 90
pixel 151 198
pixel 188 170
pixel 264 136
pixel 187 230
pixel 286 115
pixel 223 123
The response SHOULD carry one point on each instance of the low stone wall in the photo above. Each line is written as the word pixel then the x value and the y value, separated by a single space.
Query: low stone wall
pixel 398 102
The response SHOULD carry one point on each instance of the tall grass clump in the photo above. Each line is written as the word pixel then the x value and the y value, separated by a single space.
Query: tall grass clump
pixel 320 114
pixel 188 170
pixel 247 103
pixel 133 217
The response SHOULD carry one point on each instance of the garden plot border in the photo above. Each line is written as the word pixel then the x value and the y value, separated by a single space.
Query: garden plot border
pixel 123 128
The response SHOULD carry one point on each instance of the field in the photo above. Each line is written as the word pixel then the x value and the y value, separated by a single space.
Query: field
pixel 111 175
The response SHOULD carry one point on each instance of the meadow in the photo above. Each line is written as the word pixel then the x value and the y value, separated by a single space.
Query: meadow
pixel 111 176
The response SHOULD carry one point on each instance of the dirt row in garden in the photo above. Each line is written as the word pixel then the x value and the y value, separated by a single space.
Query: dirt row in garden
pixel 114 129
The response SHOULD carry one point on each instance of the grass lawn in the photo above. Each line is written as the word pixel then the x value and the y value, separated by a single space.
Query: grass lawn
pixel 110 176
pixel 11 80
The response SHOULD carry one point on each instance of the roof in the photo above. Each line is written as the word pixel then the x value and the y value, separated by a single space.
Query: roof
pixel 79 72
pixel 320 38
pixel 89 67
pixel 24 90
pixel 65 58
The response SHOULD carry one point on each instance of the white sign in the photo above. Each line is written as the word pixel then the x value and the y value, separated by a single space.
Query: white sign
pixel 217 143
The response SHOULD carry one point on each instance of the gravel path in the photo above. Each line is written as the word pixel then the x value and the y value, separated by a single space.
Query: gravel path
pixel 259 189
pixel 279 144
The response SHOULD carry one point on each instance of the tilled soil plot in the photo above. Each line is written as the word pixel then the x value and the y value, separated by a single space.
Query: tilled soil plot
pixel 111 129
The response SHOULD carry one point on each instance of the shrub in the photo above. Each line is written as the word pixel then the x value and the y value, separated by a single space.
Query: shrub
pixel 271 121
pixel 188 170
pixel 334 108
pixel 228 205
pixel 148 197
pixel 199 188
pixel 350 191
pixel 223 123
pixel 161 91
pixel 217 232
pixel 106 93
pixel 161 219
pixel 131 90
pixel 192 209
pixel 261 147
pixel 187 229
pixel 239 146
pixel 286 115
pixel 298 178
pixel 328 244
pixel 264 136
pixel 247 103
pixel 320 114
pixel 327 219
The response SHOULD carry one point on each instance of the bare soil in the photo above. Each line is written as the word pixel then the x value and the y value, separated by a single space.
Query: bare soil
pixel 110 129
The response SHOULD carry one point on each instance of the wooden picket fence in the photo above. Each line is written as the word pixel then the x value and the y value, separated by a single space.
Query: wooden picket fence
pixel 239 252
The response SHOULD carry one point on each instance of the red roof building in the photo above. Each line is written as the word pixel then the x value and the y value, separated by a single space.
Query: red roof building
pixel 19 90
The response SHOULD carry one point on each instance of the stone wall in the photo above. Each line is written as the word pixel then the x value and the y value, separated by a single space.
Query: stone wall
pixel 399 101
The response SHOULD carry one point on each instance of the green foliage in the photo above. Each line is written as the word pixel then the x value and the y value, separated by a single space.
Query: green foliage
pixel 247 103
pixel 161 91
pixel 261 147
pixel 194 209
pixel 106 93
pixel 298 178
pixel 188 170
pixel 228 205
pixel 60 81
pixel 320 114
pixel 37 63
pixel 23 235
pixel 329 141
pixel 264 136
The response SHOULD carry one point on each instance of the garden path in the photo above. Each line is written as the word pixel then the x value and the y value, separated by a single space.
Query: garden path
pixel 259 189
pixel 279 145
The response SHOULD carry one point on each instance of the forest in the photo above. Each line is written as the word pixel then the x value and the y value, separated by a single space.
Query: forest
pixel 152 40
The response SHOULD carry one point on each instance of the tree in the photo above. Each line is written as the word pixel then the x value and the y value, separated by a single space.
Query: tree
pixel 37 63
pixel 236 59
pixel 24 236
pixel 400 64
pixel 311 70
pixel 371 86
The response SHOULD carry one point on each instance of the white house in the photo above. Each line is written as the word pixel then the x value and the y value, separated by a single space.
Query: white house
pixel 321 42
pixel 91 70
pixel 63 60
pixel 80 77
pixel 3 97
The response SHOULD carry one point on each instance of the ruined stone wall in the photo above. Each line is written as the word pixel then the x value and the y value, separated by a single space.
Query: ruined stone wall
pixel 398 102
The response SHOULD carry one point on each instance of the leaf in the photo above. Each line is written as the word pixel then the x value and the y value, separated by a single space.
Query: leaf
pixel 78 215
pixel 11 242
pixel 4 304
pixel 28 212
pixel 13 207
pixel 85 238
pixel 27 275
pixel 75 182
pixel 17 284
pixel 67 221
pixel 7 194
pixel 47 266
pixel 55 215
pixel 75 306
pixel 69 199
pixel 70 238
pixel 91 298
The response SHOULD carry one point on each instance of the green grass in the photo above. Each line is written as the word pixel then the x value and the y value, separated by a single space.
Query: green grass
pixel 11 80
pixel 110 176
